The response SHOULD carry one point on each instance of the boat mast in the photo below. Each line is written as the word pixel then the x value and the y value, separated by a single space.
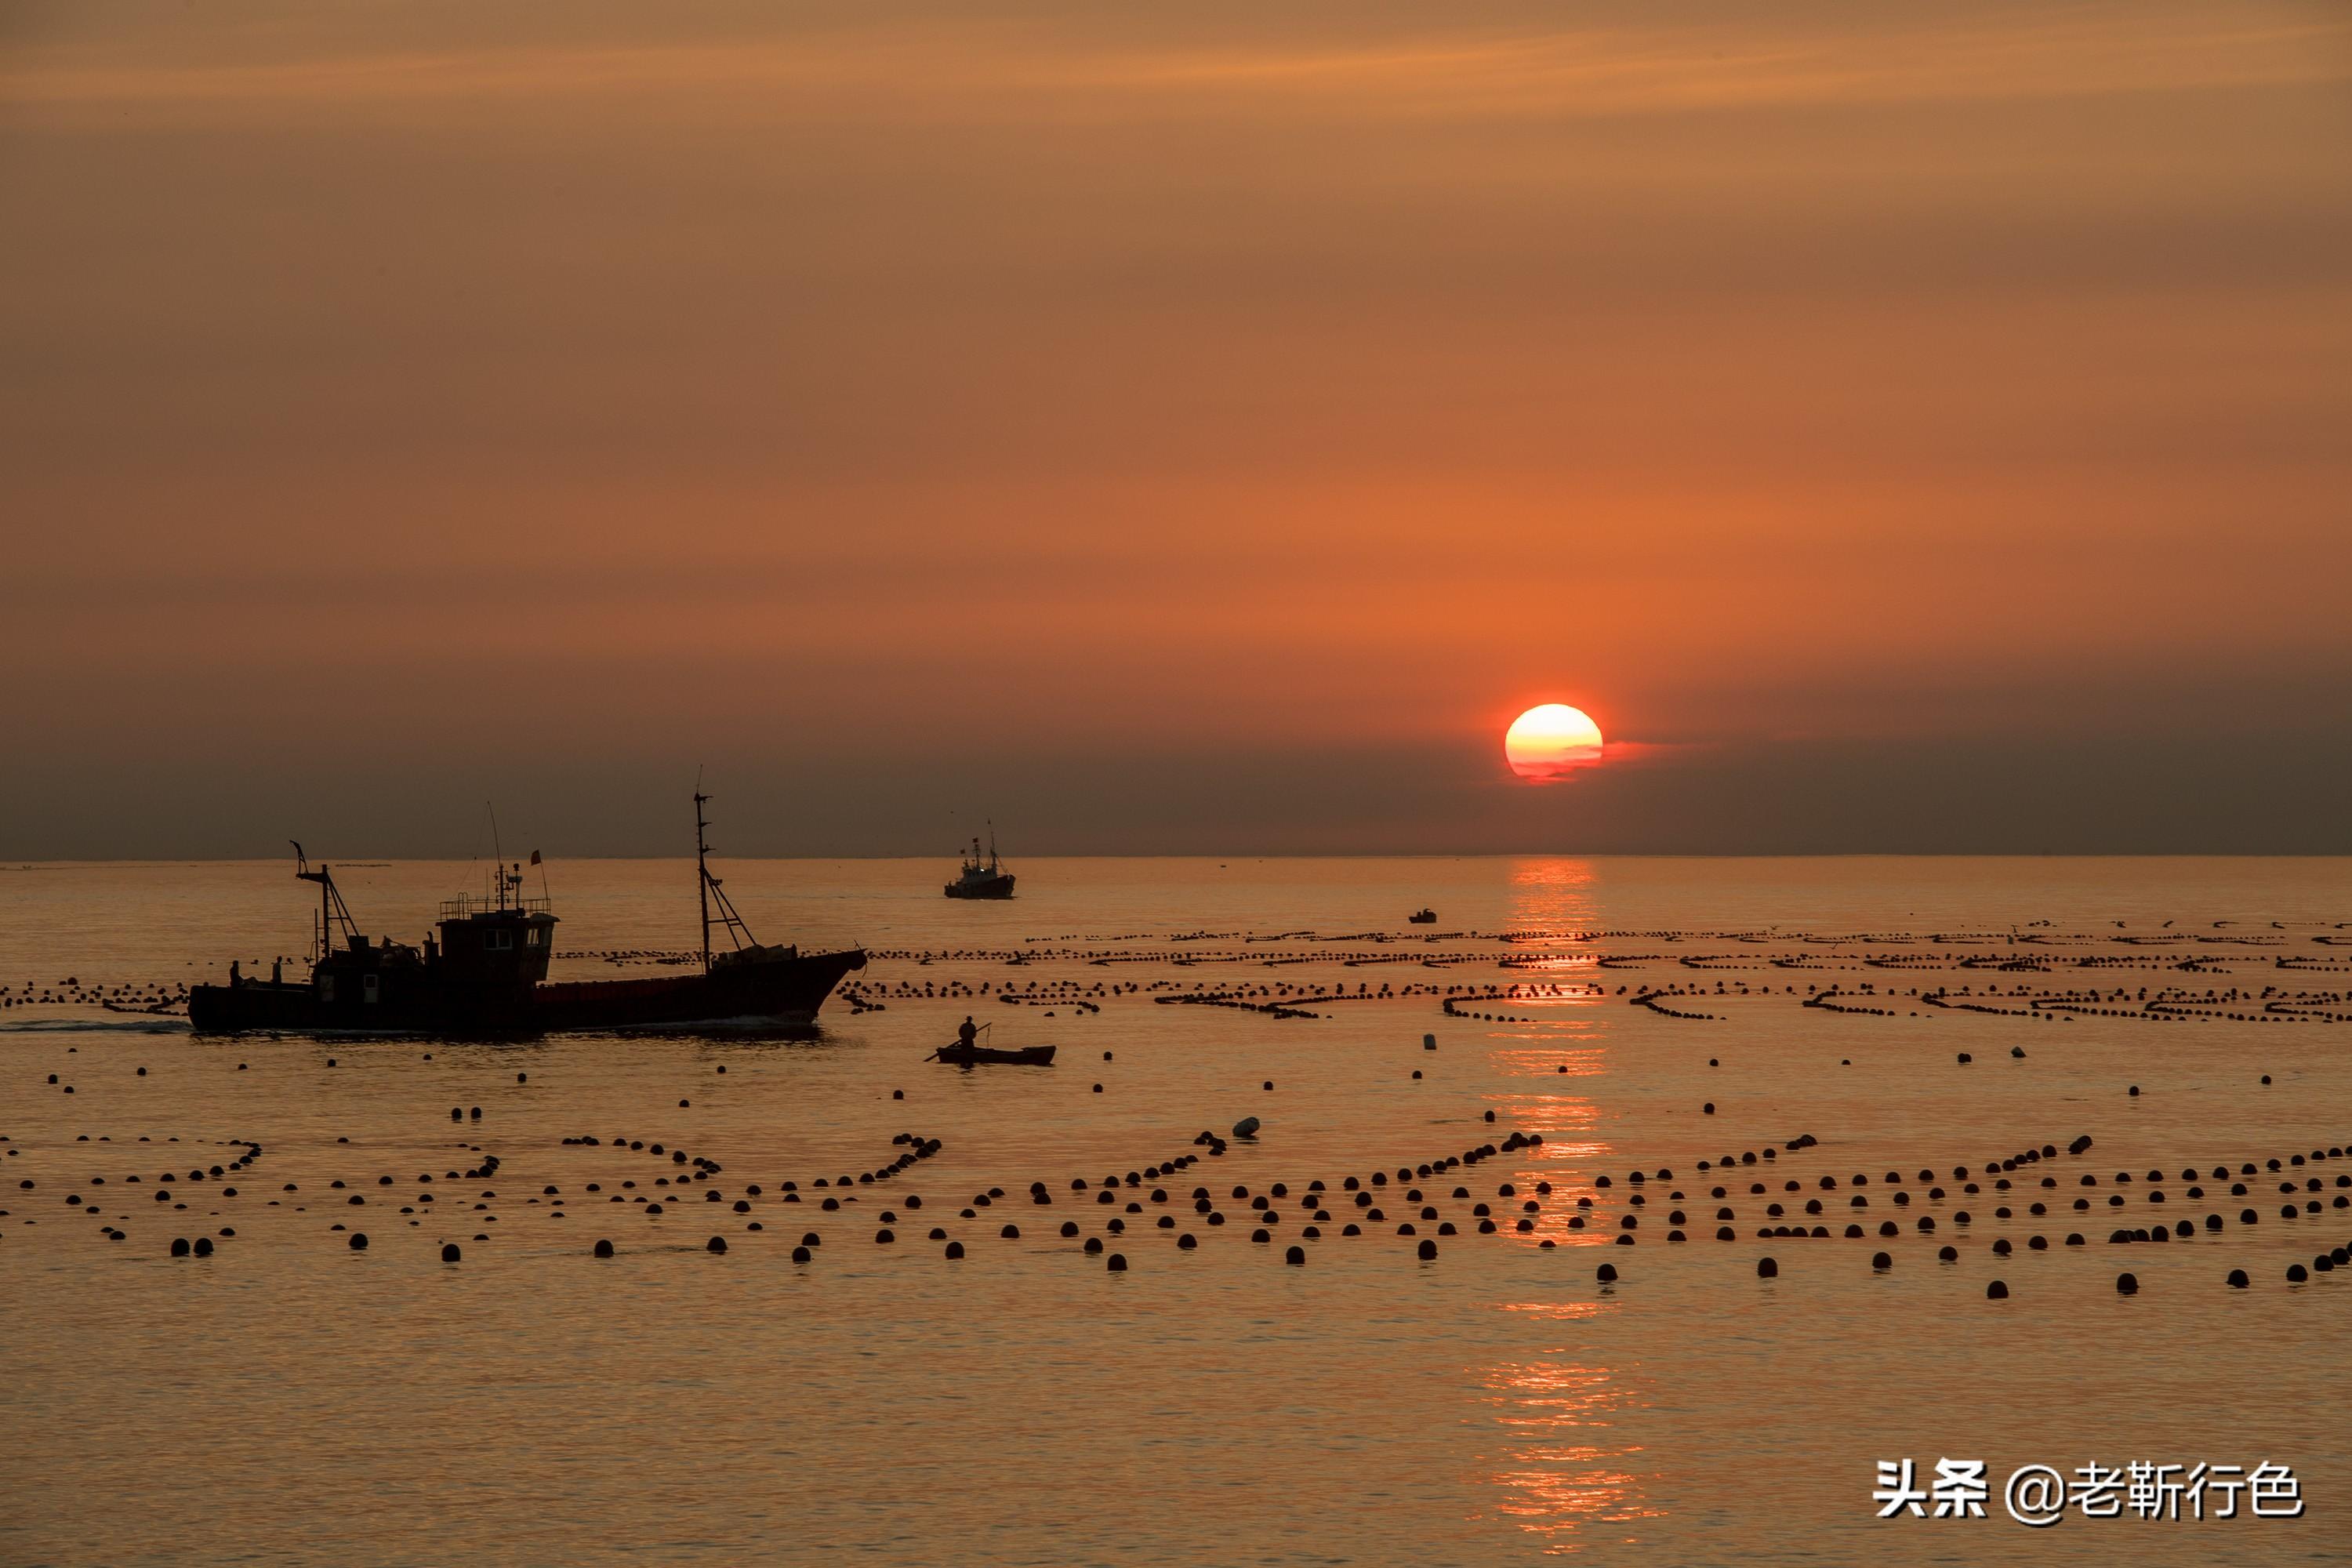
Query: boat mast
pixel 497 853
pixel 713 890
pixel 702 870
pixel 333 914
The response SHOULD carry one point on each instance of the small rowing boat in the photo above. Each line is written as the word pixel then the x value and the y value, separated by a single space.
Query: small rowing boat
pixel 964 1056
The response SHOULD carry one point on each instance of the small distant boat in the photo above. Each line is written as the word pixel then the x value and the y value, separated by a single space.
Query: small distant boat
pixel 1423 917
pixel 964 1056
pixel 979 879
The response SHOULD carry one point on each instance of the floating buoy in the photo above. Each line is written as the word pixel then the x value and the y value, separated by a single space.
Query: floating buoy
pixel 359 1241
pixel 719 1244
pixel 1606 1274
pixel 1247 1126
pixel 1428 1042
pixel 179 1247
pixel 1296 1255
pixel 1881 1260
pixel 449 1253
pixel 1709 1109
pixel 2126 1284
pixel 203 1247
pixel 1996 1291
pixel 1426 1251
pixel 2237 1280
pixel 604 1250
pixel 1116 1263
pixel 2295 1272
pixel 1766 1270
pixel 801 1253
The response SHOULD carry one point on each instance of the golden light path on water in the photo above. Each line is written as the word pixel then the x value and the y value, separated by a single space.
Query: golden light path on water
pixel 1565 1477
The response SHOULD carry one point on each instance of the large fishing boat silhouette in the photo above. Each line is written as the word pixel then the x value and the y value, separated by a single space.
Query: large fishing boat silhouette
pixel 486 972
pixel 978 878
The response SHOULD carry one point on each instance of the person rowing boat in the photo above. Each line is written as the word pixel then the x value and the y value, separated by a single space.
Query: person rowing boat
pixel 968 1050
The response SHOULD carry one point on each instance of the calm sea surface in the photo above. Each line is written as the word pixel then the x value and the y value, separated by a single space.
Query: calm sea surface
pixel 289 1400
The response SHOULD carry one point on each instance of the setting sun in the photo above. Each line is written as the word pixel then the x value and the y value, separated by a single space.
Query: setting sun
pixel 1551 742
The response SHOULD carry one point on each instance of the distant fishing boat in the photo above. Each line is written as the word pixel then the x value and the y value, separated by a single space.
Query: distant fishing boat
pixel 485 972
pixel 978 879
pixel 1423 916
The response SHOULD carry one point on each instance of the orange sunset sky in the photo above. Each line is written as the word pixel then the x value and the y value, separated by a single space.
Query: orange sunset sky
pixel 1185 427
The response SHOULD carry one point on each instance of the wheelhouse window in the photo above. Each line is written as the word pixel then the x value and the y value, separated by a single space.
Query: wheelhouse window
pixel 498 941
pixel 369 985
pixel 326 988
pixel 537 937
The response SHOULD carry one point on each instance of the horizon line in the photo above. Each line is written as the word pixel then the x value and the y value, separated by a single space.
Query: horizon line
pixel 23 863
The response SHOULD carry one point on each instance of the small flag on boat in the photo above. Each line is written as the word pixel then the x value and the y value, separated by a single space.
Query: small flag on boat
pixel 534 857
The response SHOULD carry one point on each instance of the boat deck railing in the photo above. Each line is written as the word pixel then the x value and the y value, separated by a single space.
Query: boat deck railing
pixel 467 905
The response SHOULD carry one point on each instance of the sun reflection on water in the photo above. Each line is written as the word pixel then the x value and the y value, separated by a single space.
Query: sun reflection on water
pixel 1559 1476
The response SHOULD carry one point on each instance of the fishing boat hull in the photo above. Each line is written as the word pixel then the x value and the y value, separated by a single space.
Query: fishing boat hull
pixel 999 886
pixel 972 1055
pixel 784 990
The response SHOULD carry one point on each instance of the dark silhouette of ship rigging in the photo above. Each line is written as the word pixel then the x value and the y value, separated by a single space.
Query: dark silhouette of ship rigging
pixel 485 972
